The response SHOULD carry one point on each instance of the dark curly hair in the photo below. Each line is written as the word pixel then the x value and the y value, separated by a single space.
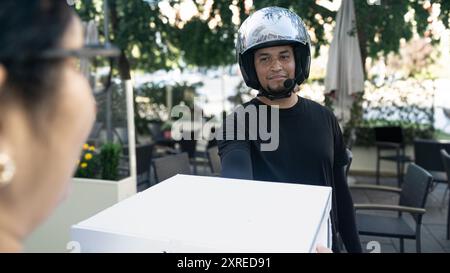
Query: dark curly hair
pixel 27 29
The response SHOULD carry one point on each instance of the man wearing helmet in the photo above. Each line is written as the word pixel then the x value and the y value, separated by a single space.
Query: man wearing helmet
pixel 273 50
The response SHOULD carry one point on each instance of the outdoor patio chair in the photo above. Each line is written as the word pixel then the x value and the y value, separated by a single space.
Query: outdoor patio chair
pixel 189 146
pixel 214 160
pixel 168 166
pixel 413 196
pixel 446 162
pixel 144 154
pixel 391 138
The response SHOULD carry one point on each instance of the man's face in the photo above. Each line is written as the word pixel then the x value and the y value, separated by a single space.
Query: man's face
pixel 274 65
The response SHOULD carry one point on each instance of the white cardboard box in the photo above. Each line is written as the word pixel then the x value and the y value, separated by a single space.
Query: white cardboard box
pixel 209 214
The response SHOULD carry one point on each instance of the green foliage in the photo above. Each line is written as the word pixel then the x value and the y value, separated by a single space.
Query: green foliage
pixel 110 156
pixel 139 25
pixel 201 46
pixel 135 24
pixel 89 163
pixel 155 108
pixel 103 164
pixel 380 27
pixel 181 92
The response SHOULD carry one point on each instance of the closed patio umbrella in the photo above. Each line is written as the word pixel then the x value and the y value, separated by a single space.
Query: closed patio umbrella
pixel 345 73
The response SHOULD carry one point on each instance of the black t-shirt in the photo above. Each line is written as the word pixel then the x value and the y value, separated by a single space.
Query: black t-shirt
pixel 308 149
pixel 310 145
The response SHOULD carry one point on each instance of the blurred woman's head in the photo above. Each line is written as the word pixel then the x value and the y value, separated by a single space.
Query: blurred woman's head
pixel 46 112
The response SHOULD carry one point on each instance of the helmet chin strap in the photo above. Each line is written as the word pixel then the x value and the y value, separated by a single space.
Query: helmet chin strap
pixel 289 86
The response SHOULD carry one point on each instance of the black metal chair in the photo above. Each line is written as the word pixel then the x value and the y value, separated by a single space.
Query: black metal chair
pixel 144 155
pixel 427 154
pixel 391 138
pixel 446 162
pixel 214 160
pixel 189 146
pixel 168 166
pixel 413 196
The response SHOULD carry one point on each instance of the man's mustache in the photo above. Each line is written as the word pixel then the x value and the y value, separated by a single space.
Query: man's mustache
pixel 271 77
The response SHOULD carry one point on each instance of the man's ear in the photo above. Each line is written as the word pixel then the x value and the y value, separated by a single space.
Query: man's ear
pixel 2 76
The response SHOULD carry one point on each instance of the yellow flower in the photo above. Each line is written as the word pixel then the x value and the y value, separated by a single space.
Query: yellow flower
pixel 85 146
pixel 84 165
pixel 92 148
pixel 88 156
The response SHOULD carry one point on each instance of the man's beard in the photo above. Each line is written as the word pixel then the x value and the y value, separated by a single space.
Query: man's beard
pixel 278 90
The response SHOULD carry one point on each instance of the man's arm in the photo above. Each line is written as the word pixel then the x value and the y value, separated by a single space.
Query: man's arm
pixel 234 154
pixel 236 160
pixel 346 212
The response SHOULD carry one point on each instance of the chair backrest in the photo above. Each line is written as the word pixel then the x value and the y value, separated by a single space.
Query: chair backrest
pixel 168 166
pixel 415 187
pixel 446 163
pixel 350 159
pixel 389 134
pixel 144 154
pixel 214 160
pixel 188 146
pixel 427 154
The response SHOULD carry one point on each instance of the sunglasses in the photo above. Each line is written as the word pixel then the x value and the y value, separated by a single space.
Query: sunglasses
pixel 86 52
pixel 94 61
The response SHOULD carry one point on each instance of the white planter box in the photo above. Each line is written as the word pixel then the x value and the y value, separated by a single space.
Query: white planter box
pixel 86 198
pixel 365 160
pixel 210 214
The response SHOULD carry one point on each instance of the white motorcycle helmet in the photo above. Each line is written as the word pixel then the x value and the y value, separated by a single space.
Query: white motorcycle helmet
pixel 267 27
